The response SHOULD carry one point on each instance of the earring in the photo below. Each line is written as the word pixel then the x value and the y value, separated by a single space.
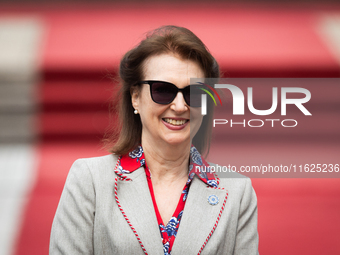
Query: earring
pixel 135 111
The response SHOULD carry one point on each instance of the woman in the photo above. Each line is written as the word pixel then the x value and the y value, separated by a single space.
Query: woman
pixel 148 196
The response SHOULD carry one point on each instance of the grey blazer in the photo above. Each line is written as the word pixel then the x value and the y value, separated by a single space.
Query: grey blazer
pixel 101 213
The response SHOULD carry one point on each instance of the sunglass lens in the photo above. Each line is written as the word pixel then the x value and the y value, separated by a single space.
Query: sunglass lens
pixel 163 93
pixel 193 98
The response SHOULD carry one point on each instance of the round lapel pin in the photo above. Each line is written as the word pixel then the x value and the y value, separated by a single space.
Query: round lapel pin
pixel 213 200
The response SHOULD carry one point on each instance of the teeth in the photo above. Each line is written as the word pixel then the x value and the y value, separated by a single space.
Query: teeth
pixel 175 122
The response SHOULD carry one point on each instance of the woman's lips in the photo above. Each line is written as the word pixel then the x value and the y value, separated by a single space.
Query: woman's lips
pixel 175 124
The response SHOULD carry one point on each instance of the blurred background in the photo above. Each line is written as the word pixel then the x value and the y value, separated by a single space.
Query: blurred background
pixel 56 60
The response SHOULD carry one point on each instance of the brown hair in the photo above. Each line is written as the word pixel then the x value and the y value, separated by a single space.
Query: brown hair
pixel 166 39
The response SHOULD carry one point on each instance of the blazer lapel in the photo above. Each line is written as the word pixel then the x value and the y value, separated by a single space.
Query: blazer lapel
pixel 199 218
pixel 134 200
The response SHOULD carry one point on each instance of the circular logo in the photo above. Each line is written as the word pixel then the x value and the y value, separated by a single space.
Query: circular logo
pixel 213 200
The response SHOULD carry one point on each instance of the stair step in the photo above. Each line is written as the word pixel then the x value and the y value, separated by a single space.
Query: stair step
pixel 61 95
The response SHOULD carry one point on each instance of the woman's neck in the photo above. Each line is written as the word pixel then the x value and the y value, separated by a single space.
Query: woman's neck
pixel 167 163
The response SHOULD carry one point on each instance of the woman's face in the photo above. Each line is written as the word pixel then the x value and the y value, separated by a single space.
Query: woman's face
pixel 169 123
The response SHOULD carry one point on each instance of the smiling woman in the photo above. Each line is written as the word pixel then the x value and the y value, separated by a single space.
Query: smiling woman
pixel 149 195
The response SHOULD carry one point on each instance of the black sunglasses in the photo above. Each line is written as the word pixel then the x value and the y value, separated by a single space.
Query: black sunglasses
pixel 163 92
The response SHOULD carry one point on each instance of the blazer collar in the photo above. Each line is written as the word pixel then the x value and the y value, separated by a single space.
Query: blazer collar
pixel 201 215
pixel 130 162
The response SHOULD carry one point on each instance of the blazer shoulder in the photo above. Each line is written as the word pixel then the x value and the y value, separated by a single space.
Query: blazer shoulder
pixel 97 167
pixel 107 160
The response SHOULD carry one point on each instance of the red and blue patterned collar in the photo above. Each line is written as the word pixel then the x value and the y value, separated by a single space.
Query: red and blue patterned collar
pixel 198 166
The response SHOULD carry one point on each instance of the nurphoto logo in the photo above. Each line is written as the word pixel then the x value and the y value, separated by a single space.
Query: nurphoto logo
pixel 238 99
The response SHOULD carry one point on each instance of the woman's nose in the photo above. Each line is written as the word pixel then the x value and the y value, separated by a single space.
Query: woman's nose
pixel 179 104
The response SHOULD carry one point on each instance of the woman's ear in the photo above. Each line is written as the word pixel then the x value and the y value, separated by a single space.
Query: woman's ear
pixel 134 91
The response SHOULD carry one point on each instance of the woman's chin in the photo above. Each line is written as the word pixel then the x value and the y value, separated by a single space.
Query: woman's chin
pixel 177 140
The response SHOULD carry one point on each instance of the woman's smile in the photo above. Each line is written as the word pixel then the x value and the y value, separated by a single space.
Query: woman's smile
pixel 175 123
